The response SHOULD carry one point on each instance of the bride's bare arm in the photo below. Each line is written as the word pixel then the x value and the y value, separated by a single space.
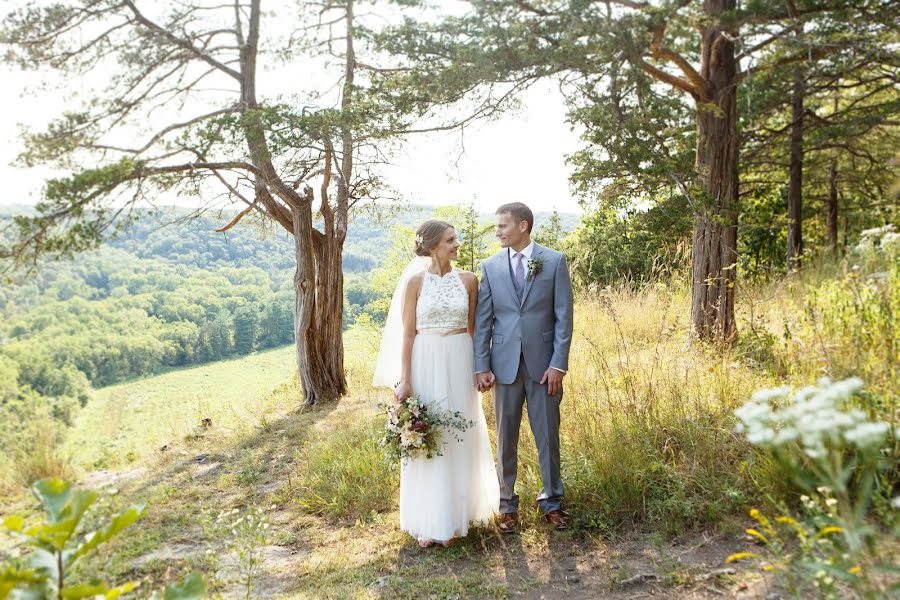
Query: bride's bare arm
pixel 410 297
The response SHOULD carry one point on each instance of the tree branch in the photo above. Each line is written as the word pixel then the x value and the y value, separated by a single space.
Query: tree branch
pixel 181 43
pixel 673 80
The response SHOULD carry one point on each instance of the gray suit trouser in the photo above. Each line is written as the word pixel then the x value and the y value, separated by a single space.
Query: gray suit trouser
pixel 543 416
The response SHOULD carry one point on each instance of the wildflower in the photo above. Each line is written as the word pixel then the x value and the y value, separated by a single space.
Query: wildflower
pixel 866 435
pixel 830 529
pixel 801 533
pixel 895 503
pixel 762 520
pixel 757 535
pixel 831 502
pixel 740 556
pixel 856 570
pixel 765 395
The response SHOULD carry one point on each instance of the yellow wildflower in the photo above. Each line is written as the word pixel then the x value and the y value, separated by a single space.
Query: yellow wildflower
pixel 855 570
pixel 740 556
pixel 831 529
pixel 801 533
pixel 757 535
pixel 768 568
pixel 762 520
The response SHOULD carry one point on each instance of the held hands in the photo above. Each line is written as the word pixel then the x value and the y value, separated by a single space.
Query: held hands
pixel 484 381
pixel 553 379
pixel 402 391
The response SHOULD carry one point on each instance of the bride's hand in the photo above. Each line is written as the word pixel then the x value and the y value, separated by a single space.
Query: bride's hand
pixel 402 391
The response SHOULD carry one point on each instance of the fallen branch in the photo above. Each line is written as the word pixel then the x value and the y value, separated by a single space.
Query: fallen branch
pixel 639 578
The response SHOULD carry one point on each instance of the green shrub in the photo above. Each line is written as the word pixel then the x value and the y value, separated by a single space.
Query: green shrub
pixel 53 547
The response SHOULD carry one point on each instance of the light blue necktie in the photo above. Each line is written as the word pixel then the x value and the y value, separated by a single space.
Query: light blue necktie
pixel 520 270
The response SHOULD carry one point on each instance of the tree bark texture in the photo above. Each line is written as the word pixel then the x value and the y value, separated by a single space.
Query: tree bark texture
pixel 833 197
pixel 833 208
pixel 714 256
pixel 795 187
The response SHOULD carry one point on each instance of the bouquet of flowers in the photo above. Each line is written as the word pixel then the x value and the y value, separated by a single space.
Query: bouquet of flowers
pixel 413 428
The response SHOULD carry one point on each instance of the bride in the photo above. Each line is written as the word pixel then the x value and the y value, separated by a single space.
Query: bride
pixel 427 350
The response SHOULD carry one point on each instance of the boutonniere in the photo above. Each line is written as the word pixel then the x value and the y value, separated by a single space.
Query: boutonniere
pixel 535 266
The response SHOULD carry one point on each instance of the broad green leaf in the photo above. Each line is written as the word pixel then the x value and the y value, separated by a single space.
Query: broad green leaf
pixel 65 508
pixel 85 590
pixel 44 561
pixel 119 590
pixel 14 523
pixel 119 523
pixel 191 587
pixel 12 578
pixel 53 495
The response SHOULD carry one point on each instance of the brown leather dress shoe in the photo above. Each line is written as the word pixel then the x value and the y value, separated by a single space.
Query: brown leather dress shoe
pixel 558 519
pixel 507 522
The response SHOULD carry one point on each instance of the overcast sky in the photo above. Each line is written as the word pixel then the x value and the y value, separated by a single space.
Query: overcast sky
pixel 520 156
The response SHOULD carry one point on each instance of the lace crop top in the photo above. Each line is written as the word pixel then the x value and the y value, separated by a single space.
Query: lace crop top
pixel 443 302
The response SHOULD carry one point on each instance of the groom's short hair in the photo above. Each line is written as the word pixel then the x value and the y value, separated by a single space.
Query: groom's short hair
pixel 518 211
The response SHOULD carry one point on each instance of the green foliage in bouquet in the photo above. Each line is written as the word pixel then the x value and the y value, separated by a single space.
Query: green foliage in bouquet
pixel 55 545
pixel 414 428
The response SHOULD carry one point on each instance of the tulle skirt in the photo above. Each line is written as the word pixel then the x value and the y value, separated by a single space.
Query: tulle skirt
pixel 442 495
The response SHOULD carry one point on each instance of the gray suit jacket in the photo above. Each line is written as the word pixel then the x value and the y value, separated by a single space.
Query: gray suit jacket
pixel 536 324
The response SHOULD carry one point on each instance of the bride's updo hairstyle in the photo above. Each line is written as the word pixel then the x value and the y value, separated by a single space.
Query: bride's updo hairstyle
pixel 429 235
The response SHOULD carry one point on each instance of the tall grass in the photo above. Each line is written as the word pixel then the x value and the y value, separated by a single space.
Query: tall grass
pixel 647 415
pixel 40 454
pixel 343 474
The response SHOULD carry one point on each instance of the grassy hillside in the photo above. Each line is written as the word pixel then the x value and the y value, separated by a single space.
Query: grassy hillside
pixel 114 429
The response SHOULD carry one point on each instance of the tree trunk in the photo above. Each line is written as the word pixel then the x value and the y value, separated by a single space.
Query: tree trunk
pixel 795 190
pixel 714 257
pixel 318 278
pixel 305 302
pixel 329 318
pixel 833 198
pixel 833 208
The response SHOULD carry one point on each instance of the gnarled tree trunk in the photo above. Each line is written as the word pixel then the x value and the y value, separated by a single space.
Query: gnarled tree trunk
pixel 308 367
pixel 714 256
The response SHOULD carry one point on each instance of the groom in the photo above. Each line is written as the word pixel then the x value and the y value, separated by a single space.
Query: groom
pixel 523 329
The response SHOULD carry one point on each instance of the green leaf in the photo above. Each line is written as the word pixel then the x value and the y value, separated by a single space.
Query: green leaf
pixel 43 560
pixel 85 590
pixel 119 523
pixel 96 588
pixel 65 508
pixel 14 523
pixel 192 587
pixel 53 495
pixel 119 590
pixel 13 578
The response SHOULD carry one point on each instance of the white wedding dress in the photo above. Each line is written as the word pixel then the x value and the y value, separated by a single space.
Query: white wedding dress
pixel 442 495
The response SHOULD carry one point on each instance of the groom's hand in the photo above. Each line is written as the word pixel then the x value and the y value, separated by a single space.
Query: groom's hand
pixel 553 379
pixel 484 381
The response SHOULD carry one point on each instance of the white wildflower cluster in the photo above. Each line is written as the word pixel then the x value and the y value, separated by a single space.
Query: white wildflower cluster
pixel 814 417
pixel 885 238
